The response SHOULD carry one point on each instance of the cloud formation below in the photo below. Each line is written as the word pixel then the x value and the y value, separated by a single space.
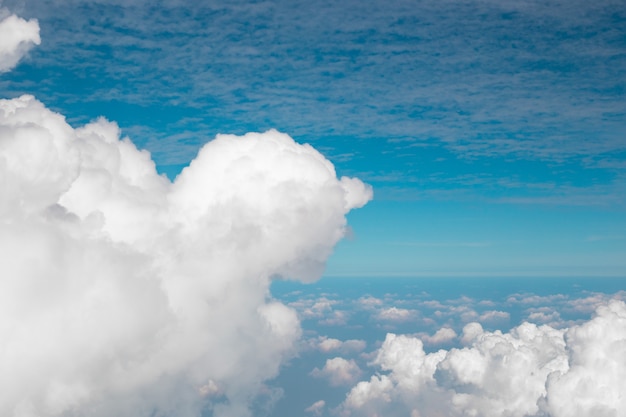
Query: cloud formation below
pixel 530 371
pixel 126 294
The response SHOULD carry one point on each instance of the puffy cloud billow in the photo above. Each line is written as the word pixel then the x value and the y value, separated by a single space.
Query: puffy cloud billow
pixel 125 294
pixel 533 370
pixel 339 371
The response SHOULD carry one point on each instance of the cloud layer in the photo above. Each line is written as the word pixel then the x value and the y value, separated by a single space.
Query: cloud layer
pixel 126 294
pixel 530 371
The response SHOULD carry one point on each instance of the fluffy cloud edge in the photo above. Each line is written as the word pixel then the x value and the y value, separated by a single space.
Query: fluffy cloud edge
pixel 17 37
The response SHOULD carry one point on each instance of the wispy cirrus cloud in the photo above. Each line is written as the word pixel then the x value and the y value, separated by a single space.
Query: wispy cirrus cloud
pixel 475 81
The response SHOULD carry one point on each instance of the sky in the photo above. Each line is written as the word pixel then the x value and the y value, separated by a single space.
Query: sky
pixel 322 209
pixel 491 131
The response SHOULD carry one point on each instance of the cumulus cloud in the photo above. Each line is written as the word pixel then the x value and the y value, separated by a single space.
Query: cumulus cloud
pixel 315 308
pixel 494 315
pixel 545 315
pixel 369 302
pixel 395 314
pixel 443 335
pixel 530 371
pixel 338 371
pixel 336 318
pixel 17 37
pixel 125 294
pixel 326 344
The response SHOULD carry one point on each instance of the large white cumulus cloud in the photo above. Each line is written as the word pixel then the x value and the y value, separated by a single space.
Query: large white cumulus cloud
pixel 531 371
pixel 122 293
pixel 17 37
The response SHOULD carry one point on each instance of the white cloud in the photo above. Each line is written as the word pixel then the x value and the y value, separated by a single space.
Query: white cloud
pixel 395 314
pixel 17 37
pixel 338 371
pixel 530 371
pixel 329 344
pixel 316 408
pixel 536 299
pixel 471 333
pixel 545 315
pixel 369 302
pixel 592 302
pixel 316 308
pixel 125 294
pixel 325 344
pixel 594 384
pixel 494 315
pixel 443 335
pixel 377 390
pixel 434 304
pixel 336 318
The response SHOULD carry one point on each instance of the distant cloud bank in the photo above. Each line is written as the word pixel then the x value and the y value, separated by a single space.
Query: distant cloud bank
pixel 530 371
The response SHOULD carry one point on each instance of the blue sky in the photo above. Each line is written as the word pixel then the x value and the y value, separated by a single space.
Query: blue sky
pixel 485 278
pixel 493 132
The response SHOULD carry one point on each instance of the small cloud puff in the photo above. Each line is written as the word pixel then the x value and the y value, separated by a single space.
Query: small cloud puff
pixel 443 335
pixel 312 309
pixel 494 316
pixel 316 408
pixel 338 371
pixel 17 37
pixel 395 314
pixel 369 302
pixel 325 344
pixel 336 318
